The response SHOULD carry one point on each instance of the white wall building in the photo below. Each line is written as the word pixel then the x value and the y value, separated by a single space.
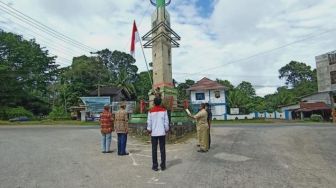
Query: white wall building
pixel 208 91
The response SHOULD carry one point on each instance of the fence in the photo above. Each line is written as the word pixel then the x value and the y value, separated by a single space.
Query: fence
pixel 255 115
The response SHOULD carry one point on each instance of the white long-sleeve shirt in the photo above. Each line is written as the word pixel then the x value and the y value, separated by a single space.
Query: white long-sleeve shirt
pixel 157 121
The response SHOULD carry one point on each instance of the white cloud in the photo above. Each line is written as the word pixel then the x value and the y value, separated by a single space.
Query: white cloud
pixel 236 29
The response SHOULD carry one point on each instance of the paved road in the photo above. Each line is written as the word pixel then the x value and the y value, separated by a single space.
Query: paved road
pixel 243 156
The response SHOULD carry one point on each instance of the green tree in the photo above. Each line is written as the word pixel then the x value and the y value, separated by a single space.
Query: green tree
pixel 26 71
pixel 83 76
pixel 247 89
pixel 258 104
pixel 226 83
pixel 124 81
pixel 182 89
pixel 282 97
pixel 116 61
pixel 143 85
pixel 296 72
pixel 237 99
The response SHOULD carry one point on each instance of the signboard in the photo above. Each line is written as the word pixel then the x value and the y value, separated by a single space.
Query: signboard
pixel 95 104
pixel 234 111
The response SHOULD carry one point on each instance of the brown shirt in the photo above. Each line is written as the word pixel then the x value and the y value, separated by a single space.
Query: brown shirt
pixel 121 121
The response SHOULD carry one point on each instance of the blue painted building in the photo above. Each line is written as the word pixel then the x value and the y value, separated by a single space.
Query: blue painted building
pixel 209 91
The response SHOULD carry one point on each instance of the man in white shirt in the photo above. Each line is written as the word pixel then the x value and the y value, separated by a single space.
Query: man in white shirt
pixel 158 126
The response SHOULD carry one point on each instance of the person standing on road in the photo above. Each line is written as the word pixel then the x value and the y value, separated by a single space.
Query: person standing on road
pixel 106 129
pixel 209 119
pixel 158 126
pixel 202 124
pixel 121 128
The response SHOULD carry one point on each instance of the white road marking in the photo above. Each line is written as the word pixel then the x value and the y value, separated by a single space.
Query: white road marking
pixel 155 181
pixel 143 155
pixel 131 156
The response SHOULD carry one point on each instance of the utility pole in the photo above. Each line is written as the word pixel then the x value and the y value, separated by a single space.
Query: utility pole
pixel 333 112
pixel 98 89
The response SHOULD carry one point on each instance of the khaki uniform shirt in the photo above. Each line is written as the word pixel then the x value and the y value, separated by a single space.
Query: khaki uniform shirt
pixel 201 118
pixel 121 121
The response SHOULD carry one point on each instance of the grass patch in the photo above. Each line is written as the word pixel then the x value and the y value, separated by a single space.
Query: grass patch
pixel 49 122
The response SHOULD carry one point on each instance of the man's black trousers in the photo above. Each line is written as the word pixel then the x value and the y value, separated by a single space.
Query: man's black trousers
pixel 162 142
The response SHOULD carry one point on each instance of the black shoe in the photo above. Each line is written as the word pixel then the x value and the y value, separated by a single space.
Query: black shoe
pixel 124 154
pixel 163 168
pixel 109 152
pixel 155 169
pixel 103 151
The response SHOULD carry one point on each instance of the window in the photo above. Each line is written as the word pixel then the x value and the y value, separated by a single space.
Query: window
pixel 332 59
pixel 200 96
pixel 217 94
pixel 333 77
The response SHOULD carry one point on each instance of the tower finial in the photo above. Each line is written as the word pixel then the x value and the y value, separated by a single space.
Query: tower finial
pixel 160 3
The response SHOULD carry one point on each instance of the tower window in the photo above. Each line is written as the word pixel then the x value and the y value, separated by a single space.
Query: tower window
pixel 333 77
pixel 332 59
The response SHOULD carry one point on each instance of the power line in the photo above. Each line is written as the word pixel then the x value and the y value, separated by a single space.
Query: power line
pixel 45 26
pixel 46 40
pixel 40 26
pixel 57 56
pixel 266 52
pixel 54 36
pixel 227 75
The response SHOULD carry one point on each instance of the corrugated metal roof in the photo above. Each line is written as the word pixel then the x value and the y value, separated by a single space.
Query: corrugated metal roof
pixel 307 107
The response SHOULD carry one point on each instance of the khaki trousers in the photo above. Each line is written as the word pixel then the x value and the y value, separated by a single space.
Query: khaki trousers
pixel 198 135
pixel 204 137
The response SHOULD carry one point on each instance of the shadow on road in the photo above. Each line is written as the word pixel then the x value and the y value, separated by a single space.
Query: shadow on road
pixel 173 162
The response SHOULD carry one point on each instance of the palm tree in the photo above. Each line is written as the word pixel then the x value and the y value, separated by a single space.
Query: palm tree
pixel 123 81
pixel 237 99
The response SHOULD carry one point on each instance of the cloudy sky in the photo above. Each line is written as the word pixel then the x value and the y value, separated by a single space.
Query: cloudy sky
pixel 237 40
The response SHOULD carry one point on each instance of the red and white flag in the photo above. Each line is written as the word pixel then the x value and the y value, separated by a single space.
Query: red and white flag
pixel 135 38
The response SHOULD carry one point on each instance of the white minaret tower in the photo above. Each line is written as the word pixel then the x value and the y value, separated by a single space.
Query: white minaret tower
pixel 161 38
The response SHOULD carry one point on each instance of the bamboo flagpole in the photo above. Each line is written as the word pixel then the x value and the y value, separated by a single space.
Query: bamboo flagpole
pixel 136 38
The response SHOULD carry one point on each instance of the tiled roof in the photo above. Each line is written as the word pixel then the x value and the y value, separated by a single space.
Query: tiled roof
pixel 307 107
pixel 206 84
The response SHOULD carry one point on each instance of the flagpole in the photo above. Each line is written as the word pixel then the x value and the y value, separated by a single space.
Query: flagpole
pixel 143 52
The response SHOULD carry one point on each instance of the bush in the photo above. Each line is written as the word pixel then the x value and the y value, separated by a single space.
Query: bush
pixel 58 113
pixel 8 112
pixel 316 118
pixel 3 115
